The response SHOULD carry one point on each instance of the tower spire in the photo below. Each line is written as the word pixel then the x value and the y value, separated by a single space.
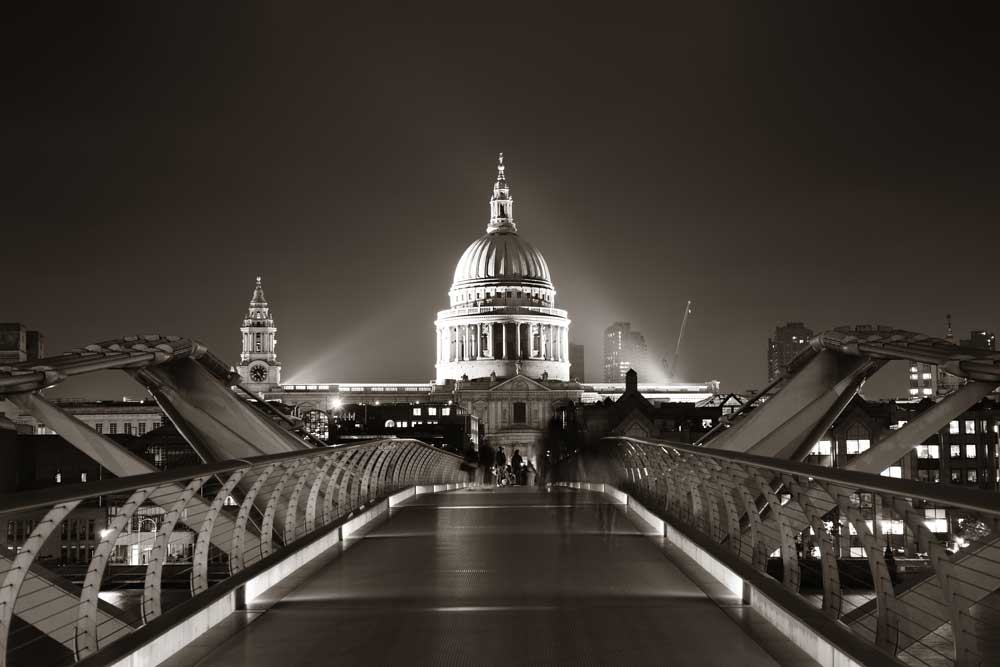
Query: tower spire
pixel 501 204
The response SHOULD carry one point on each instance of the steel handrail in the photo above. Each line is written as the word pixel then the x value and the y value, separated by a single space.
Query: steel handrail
pixel 44 498
pixel 976 500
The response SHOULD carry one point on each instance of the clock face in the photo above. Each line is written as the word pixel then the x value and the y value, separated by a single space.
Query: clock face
pixel 258 373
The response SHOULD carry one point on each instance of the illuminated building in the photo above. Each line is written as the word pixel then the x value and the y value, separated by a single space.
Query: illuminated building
pixel 624 349
pixel 503 319
pixel 259 365
pixel 502 358
pixel 787 342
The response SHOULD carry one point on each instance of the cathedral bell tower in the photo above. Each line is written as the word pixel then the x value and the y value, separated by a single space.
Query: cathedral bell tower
pixel 259 367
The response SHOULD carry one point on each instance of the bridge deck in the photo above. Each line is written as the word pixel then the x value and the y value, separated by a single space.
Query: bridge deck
pixel 511 576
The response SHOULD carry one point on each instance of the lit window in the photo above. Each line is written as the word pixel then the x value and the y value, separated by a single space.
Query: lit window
pixel 928 391
pixel 914 391
pixel 390 423
pixel 445 412
pixel 416 411
pixel 953 427
pixel 926 376
pixel 913 369
pixel 913 376
pixel 970 425
pixel 822 448
pixel 955 451
pixel 895 472
pixel 928 452
pixel 936 520
pixel 956 476
pixel 432 411
pixel 858 445
pixel 58 478
pixel 83 477
pixel 972 475
pixel 970 451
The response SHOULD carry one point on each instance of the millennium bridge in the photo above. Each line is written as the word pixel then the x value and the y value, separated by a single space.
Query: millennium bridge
pixel 388 551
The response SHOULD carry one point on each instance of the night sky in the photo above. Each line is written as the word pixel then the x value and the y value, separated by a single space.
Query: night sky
pixel 824 163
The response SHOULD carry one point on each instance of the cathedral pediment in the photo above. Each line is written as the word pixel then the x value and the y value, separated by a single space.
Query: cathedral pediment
pixel 517 384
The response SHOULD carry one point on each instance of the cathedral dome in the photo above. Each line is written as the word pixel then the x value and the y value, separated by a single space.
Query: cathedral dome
pixel 501 257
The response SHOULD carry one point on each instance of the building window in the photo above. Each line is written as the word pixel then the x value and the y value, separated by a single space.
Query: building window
pixel 858 440
pixel 928 391
pixel 970 425
pixel 113 427
pixel 520 413
pixel 956 476
pixel 99 427
pixel 929 475
pixel 445 412
pixel 58 478
pixel 142 428
pixel 972 475
pixel 895 472
pixel 390 423
pixel 970 451
pixel 955 451
pixel 928 452
pixel 432 411
pixel 936 520
pixel 416 412
pixel 83 476
pixel 822 448
pixel 953 427
pixel 256 342
pixel 128 428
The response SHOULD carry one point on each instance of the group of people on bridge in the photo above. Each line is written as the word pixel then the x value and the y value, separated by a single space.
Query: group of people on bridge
pixel 516 472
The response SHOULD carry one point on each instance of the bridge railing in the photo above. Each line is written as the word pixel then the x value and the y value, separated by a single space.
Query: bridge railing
pixel 912 568
pixel 90 568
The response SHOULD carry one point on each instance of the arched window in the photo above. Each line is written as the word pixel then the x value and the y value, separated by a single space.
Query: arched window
pixel 389 423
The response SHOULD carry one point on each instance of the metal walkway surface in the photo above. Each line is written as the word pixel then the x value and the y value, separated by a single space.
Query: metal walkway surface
pixel 503 577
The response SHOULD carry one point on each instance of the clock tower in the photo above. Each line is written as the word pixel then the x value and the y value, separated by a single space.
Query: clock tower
pixel 259 367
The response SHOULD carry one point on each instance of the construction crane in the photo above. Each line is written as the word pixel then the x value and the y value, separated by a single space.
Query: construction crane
pixel 680 337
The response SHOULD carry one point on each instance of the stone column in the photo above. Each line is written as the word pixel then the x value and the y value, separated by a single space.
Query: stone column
pixel 466 352
pixel 503 340
pixel 517 341
pixel 438 357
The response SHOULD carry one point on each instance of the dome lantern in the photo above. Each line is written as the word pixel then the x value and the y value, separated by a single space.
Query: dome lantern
pixel 501 204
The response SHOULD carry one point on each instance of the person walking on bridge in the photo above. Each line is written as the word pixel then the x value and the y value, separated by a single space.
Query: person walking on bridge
pixel 501 464
pixel 516 463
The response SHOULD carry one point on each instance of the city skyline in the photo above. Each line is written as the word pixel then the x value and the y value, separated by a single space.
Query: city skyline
pixel 727 178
